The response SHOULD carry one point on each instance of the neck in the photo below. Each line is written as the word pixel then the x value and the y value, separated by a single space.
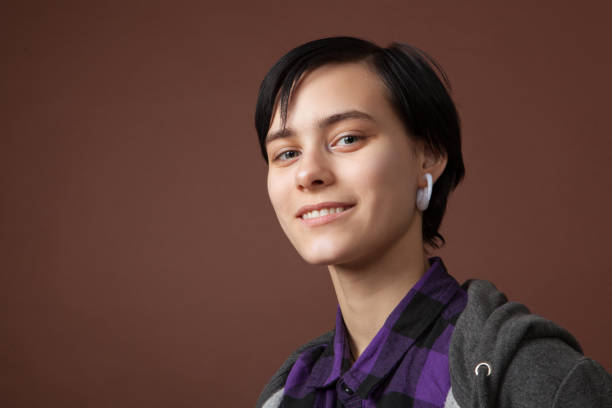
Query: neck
pixel 367 293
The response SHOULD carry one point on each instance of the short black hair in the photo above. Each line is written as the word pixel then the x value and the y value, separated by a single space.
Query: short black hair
pixel 419 92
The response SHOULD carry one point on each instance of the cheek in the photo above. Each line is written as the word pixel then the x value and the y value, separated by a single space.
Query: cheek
pixel 277 192
pixel 389 180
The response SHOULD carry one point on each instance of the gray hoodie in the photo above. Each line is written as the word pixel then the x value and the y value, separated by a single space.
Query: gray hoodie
pixel 502 356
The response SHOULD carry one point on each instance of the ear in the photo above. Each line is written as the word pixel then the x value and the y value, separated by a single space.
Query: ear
pixel 431 162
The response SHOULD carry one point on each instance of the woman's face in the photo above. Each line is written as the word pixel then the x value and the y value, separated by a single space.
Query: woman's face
pixel 345 145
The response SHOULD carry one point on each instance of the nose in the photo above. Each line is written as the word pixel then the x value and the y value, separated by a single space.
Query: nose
pixel 314 170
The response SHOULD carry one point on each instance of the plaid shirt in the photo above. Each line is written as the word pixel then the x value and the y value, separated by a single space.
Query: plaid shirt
pixel 405 365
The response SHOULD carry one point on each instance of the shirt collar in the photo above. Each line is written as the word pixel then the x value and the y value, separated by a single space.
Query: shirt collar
pixel 414 313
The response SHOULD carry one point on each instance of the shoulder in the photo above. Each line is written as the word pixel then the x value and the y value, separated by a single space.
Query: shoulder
pixel 272 392
pixel 587 384
pixel 548 372
pixel 531 361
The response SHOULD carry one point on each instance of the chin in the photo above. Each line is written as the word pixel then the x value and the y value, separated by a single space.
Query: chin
pixel 320 256
pixel 325 256
pixel 319 259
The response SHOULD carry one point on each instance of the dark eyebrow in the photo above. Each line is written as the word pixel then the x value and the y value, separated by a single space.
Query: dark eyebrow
pixel 323 123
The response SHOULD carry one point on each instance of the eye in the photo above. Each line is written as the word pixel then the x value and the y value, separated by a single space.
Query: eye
pixel 283 156
pixel 351 139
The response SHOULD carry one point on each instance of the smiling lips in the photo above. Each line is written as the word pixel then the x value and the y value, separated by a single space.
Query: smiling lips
pixel 322 213
pixel 321 206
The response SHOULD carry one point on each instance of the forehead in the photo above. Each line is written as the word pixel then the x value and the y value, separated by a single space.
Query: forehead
pixel 334 88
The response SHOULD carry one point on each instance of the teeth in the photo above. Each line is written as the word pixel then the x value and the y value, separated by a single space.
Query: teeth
pixel 321 213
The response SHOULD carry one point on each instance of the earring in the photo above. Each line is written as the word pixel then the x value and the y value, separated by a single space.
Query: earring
pixel 424 194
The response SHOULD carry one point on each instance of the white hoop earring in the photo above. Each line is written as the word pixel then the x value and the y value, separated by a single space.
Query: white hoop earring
pixel 424 194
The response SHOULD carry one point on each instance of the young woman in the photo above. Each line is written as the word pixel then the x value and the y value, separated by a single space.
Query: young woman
pixel 363 148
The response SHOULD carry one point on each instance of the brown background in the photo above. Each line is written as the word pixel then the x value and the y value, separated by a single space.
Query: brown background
pixel 141 261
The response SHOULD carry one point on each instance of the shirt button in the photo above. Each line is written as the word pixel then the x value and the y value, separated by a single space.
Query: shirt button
pixel 346 389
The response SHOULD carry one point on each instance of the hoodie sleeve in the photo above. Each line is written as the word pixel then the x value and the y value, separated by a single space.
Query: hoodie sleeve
pixel 532 362
pixel 586 385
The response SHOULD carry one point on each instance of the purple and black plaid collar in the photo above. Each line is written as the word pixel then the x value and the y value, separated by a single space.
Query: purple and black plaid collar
pixel 414 338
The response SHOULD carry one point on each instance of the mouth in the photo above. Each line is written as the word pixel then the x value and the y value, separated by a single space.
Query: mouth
pixel 330 206
pixel 324 215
